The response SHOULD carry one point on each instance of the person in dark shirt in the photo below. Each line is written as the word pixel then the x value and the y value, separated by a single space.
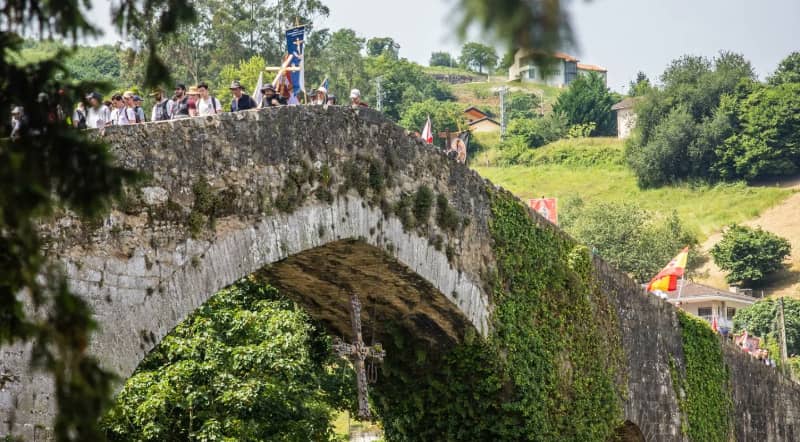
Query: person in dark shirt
pixel 271 98
pixel 180 103
pixel 241 101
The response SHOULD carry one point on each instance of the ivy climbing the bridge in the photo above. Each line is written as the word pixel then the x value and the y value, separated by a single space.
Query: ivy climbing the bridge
pixel 706 402
pixel 549 370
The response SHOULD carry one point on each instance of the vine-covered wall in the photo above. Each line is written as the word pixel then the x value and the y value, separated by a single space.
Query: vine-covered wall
pixel 549 370
pixel 703 390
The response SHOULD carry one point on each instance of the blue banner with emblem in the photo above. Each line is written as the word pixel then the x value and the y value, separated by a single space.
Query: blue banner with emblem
pixel 295 43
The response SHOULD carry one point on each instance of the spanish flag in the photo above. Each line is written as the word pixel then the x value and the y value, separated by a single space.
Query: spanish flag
pixel 667 279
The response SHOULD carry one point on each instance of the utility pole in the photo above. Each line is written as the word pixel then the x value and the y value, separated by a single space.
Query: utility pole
pixel 784 355
pixel 503 92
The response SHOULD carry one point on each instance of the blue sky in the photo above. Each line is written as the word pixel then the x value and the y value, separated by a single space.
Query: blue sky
pixel 624 36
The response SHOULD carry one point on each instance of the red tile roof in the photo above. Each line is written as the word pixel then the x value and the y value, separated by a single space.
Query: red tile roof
pixel 591 67
pixel 564 56
pixel 693 290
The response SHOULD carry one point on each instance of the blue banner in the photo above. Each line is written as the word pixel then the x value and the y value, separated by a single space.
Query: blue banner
pixel 295 44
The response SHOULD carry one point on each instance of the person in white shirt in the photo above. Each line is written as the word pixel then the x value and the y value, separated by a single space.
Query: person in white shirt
pixel 122 114
pixel 98 114
pixel 130 112
pixel 206 104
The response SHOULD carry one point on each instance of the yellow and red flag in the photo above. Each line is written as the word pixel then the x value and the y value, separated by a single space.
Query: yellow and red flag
pixel 667 278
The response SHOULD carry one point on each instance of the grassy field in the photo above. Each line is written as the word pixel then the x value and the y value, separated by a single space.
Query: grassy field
pixel 342 426
pixel 705 209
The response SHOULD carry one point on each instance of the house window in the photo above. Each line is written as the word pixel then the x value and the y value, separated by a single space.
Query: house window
pixel 731 311
pixel 570 71
pixel 704 312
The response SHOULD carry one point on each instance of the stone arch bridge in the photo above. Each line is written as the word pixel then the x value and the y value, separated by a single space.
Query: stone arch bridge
pixel 325 202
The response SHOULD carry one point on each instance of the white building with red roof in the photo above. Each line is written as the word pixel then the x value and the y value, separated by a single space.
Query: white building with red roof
pixel 563 71
pixel 710 303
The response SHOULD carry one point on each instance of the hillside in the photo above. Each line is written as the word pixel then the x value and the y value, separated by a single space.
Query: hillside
pixel 483 94
pixel 593 169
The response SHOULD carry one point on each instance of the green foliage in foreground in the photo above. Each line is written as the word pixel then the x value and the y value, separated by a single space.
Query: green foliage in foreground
pixel 589 169
pixel 248 365
pixel 547 373
pixel 705 401
pixel 749 255
pixel 761 319
pixel 638 242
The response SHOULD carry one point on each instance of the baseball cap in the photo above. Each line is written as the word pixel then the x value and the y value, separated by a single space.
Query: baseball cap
pixel 355 93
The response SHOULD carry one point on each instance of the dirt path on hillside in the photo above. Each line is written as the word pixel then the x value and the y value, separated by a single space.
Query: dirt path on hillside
pixel 782 220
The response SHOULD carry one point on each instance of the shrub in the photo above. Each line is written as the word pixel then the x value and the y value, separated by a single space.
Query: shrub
pixel 749 255
pixel 630 238
pixel 581 130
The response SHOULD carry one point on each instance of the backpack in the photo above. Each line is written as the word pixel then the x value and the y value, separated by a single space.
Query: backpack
pixel 213 103
pixel 136 113
pixel 81 120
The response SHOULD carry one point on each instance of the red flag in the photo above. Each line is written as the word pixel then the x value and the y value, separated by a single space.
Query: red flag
pixel 714 325
pixel 427 132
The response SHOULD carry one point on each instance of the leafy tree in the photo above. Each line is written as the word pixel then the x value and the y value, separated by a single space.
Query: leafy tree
pixel 477 56
pixel 788 70
pixel 680 127
pixel 761 319
pixel 226 34
pixel 763 132
pixel 441 59
pixel 382 45
pixel 655 165
pixel 522 105
pixel 588 100
pixel 247 365
pixel 445 115
pixel 246 72
pixel 637 242
pixel 403 83
pixel 749 255
pixel 536 132
pixel 48 168
pixel 640 86
pixel 341 61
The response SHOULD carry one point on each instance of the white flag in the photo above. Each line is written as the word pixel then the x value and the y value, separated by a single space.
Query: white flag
pixel 427 132
pixel 257 95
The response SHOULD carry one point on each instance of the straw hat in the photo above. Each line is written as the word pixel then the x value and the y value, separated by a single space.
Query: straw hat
pixel 193 91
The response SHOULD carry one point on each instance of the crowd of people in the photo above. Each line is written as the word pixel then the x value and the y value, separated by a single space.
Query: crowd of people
pixel 127 108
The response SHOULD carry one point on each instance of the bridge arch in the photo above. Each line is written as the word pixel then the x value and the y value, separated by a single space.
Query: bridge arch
pixel 629 432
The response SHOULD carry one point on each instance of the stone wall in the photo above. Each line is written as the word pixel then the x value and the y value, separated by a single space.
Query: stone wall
pixel 308 197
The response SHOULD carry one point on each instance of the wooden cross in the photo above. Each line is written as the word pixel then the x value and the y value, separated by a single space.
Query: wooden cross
pixel 358 353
